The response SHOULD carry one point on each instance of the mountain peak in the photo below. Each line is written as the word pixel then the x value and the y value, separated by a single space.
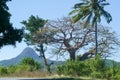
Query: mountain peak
pixel 28 49
pixel 28 52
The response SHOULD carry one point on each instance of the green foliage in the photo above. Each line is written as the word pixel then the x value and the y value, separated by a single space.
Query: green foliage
pixel 24 68
pixel 95 68
pixel 3 71
pixel 91 11
pixel 30 64
pixel 12 69
pixel 32 25
pixel 8 34
pixel 114 71
pixel 26 65
pixel 74 68
pixel 27 61
pixel 97 65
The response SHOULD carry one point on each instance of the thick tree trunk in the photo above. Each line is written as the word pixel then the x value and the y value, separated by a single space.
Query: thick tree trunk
pixel 72 54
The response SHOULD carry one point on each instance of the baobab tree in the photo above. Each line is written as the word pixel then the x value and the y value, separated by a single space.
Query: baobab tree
pixel 73 38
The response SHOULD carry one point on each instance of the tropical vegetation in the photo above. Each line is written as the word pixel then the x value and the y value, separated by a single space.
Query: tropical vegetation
pixel 80 37
pixel 91 11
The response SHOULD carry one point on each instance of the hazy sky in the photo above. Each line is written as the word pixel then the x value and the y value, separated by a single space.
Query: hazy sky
pixel 49 9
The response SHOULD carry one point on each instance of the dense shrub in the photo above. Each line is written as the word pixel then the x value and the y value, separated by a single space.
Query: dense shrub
pixel 74 68
pixel 3 71
pixel 23 68
pixel 27 61
pixel 113 72
pixel 26 64
pixel 30 64
pixel 12 69
pixel 97 67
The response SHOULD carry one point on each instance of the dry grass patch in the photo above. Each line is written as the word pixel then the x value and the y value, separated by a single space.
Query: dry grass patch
pixel 29 74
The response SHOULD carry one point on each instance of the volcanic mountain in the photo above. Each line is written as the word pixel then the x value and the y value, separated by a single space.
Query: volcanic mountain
pixel 27 52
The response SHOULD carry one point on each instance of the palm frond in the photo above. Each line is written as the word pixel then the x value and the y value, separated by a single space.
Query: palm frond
pixel 106 15
pixel 93 21
pixel 99 18
pixel 77 17
pixel 73 12
pixel 78 5
pixel 86 12
pixel 87 20
pixel 101 1
pixel 104 4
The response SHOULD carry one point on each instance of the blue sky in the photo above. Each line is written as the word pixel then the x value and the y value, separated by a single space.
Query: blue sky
pixel 49 9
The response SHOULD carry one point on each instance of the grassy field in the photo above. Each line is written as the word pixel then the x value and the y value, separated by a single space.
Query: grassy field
pixel 42 74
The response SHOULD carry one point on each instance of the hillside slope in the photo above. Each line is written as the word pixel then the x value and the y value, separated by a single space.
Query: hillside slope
pixel 27 52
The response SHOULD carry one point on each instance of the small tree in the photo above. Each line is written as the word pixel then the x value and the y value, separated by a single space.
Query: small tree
pixel 32 26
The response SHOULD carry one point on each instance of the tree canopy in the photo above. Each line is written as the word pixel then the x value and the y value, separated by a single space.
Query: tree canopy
pixel 8 34
pixel 32 26
pixel 91 11
pixel 72 38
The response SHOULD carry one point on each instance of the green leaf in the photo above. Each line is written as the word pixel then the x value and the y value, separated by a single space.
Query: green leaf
pixel 87 20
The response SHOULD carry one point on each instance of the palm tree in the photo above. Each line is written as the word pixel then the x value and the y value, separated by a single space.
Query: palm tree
pixel 91 11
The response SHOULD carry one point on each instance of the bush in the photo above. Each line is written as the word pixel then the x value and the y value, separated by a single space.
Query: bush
pixel 3 71
pixel 96 74
pixel 97 66
pixel 37 66
pixel 27 61
pixel 116 77
pixel 26 65
pixel 23 68
pixel 114 71
pixel 12 69
pixel 73 68
pixel 33 65
pixel 93 67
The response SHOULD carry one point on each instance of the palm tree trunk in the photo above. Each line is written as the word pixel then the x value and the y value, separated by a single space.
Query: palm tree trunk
pixel 96 42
